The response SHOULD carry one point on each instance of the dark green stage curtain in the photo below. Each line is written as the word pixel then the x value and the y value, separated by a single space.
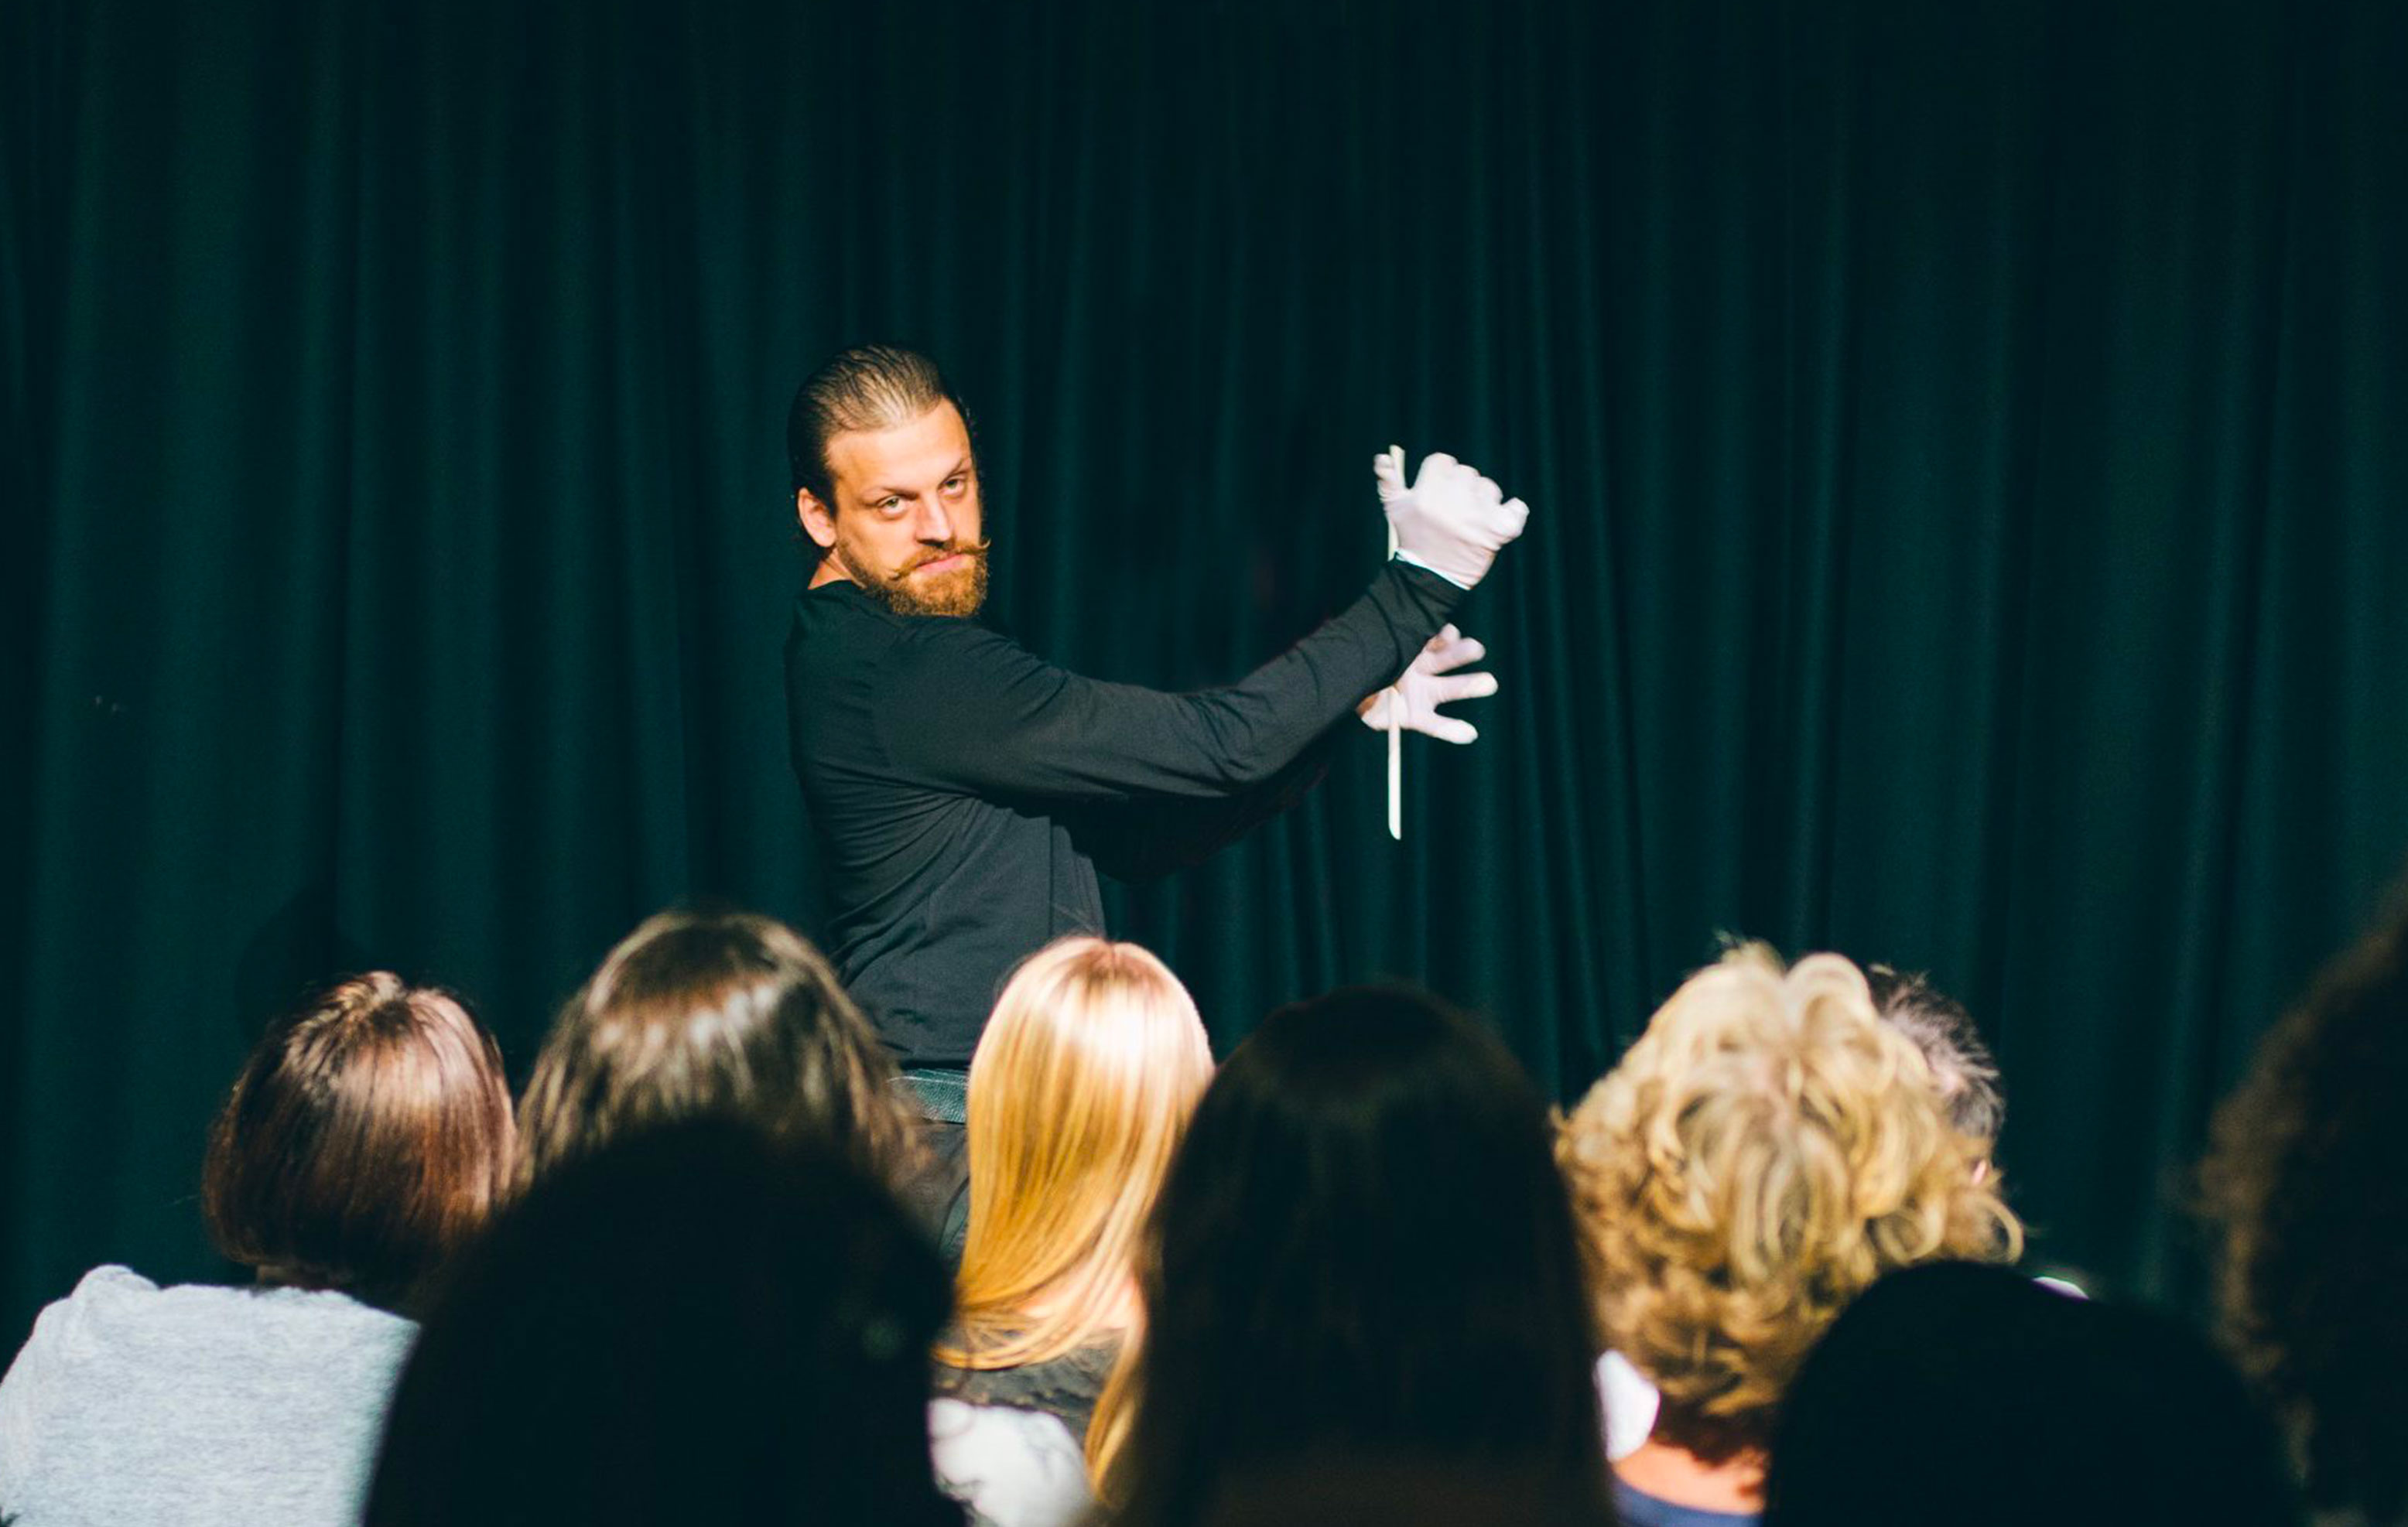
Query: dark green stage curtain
pixel 1968 447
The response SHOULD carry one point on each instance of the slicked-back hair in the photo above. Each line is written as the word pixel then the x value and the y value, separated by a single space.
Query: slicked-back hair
pixel 366 1140
pixel 725 1014
pixel 869 387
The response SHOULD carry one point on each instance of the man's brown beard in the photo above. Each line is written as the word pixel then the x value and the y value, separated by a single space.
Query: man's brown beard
pixel 962 593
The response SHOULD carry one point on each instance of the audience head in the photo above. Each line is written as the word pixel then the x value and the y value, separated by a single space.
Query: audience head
pixel 367 1138
pixel 1952 1048
pixel 1362 1253
pixel 694 1323
pixel 1764 1151
pixel 1969 1394
pixel 1078 1094
pixel 729 1014
pixel 2307 1180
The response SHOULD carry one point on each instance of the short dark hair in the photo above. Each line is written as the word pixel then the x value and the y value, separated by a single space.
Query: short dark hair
pixel 1368 1201
pixel 689 1324
pixel 1944 1031
pixel 2307 1184
pixel 727 1013
pixel 367 1138
pixel 867 387
pixel 1970 1394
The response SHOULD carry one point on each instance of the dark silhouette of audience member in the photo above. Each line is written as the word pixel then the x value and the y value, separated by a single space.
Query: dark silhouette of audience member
pixel 1363 1256
pixel 1972 1396
pixel 691 1325
pixel 729 1014
pixel 2307 1182
pixel 366 1141
pixel 1764 1151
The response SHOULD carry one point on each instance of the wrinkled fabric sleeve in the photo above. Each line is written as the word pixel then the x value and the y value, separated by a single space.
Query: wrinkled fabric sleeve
pixel 975 712
pixel 1134 841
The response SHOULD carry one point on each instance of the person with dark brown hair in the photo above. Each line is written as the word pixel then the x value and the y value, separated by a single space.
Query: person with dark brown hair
pixel 366 1142
pixel 1363 1271
pixel 728 1014
pixel 689 1324
pixel 2307 1185
pixel 1960 1394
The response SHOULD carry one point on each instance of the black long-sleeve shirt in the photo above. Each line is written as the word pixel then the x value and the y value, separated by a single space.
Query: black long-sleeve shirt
pixel 962 788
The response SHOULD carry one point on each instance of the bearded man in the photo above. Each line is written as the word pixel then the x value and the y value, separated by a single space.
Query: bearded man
pixel 964 790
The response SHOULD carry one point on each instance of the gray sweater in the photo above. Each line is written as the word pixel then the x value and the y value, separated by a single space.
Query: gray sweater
pixel 135 1404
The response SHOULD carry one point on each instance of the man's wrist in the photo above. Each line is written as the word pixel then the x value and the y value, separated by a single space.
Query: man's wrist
pixel 1400 554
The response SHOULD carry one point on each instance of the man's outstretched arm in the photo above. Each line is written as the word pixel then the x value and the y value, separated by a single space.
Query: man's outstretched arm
pixel 973 709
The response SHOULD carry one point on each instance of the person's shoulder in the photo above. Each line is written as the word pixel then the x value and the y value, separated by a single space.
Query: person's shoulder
pixel 108 1281
pixel 834 608
pixel 105 1291
pixel 329 1307
pixel 1636 1507
pixel 77 1325
pixel 958 653
pixel 1015 1468
pixel 1071 1380
pixel 111 1295
pixel 949 634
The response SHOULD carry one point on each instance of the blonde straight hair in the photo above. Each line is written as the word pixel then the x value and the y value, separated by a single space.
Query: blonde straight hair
pixel 1079 1094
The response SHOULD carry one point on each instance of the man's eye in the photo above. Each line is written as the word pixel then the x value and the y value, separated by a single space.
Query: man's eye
pixel 954 485
pixel 888 506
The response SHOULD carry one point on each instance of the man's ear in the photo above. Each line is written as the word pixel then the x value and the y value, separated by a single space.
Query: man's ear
pixel 818 523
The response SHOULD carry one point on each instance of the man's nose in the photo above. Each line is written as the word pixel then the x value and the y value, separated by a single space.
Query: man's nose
pixel 934 525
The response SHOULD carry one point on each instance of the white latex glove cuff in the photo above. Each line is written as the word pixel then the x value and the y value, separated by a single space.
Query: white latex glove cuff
pixel 1401 555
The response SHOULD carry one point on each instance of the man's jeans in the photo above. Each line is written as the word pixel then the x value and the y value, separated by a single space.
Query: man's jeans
pixel 939 1190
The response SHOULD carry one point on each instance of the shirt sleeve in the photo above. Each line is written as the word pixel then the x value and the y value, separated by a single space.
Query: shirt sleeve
pixel 1136 841
pixel 971 709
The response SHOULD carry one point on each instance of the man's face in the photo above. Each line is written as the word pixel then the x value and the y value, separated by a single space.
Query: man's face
pixel 906 524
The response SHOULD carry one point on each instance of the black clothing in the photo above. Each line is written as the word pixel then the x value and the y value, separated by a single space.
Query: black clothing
pixel 962 790
pixel 1066 1387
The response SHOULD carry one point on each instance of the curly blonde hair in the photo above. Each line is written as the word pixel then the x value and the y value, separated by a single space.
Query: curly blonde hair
pixel 1765 1151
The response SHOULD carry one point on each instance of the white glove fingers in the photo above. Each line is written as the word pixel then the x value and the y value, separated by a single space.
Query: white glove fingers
pixel 1447 688
pixel 1438 660
pixel 1447 729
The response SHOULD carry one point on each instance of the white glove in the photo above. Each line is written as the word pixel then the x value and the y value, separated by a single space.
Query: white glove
pixel 1411 703
pixel 1450 520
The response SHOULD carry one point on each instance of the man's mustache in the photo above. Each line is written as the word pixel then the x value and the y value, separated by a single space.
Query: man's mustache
pixel 955 549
